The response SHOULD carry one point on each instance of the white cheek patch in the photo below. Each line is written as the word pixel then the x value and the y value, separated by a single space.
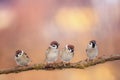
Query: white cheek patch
pixel 22 52
pixel 66 46
pixel 19 55
pixel 53 47
pixel 90 45
pixel 70 50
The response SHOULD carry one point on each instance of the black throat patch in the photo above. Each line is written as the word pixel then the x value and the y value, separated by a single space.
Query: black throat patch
pixel 93 45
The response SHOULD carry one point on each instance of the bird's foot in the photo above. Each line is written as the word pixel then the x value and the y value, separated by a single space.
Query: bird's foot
pixel 66 63
pixel 18 66
pixel 49 64
pixel 87 60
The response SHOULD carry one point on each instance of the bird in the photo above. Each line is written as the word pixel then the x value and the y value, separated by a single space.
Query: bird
pixel 22 58
pixel 52 52
pixel 92 50
pixel 67 53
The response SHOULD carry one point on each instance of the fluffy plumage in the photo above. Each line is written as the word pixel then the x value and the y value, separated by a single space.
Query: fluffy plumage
pixel 67 53
pixel 92 50
pixel 21 58
pixel 52 52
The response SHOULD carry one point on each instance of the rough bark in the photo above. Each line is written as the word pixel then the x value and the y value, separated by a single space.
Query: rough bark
pixel 78 65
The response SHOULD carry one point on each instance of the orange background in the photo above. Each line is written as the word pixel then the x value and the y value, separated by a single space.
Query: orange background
pixel 31 25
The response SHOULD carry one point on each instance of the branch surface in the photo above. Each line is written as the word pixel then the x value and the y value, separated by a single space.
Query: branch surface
pixel 78 65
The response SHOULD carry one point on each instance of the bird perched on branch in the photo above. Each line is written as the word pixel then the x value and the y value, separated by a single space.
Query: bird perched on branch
pixel 67 53
pixel 92 50
pixel 52 52
pixel 22 58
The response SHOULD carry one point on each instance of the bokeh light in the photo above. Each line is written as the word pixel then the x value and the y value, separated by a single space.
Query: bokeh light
pixel 7 17
pixel 31 25
pixel 78 19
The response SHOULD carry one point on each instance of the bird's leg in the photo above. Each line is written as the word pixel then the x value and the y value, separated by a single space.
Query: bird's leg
pixel 63 63
pixel 26 65
pixel 18 66
pixel 68 63
pixel 91 60
pixel 95 59
pixel 48 64
pixel 87 60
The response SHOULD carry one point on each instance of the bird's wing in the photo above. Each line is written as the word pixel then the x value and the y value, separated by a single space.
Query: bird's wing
pixel 25 56
pixel 47 51
pixel 73 53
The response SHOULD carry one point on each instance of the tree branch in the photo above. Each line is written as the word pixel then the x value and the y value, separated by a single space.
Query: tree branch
pixel 80 65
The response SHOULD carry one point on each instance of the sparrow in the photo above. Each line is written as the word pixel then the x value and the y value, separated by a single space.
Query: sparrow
pixel 52 52
pixel 92 50
pixel 22 58
pixel 67 53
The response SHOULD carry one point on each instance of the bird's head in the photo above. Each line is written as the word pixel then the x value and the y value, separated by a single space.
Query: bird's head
pixel 19 53
pixel 54 45
pixel 92 44
pixel 70 48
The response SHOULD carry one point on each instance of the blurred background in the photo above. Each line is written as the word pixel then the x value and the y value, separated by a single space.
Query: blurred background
pixel 31 25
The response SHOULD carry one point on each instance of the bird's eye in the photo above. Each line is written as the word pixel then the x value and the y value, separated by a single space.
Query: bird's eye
pixel 19 53
pixel 69 49
pixel 72 50
pixel 53 45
